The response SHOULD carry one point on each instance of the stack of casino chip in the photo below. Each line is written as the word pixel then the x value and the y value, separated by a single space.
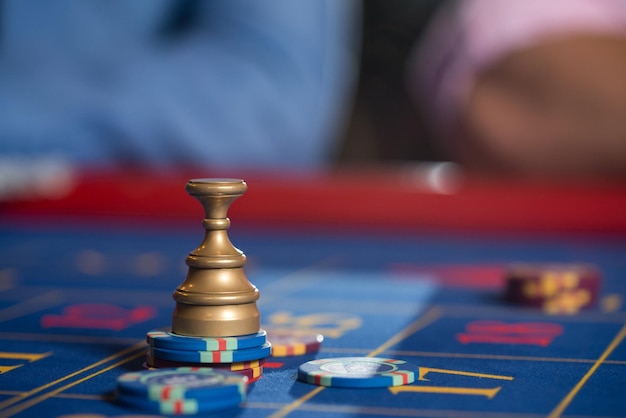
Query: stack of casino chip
pixel 554 288
pixel 290 343
pixel 181 391
pixel 243 354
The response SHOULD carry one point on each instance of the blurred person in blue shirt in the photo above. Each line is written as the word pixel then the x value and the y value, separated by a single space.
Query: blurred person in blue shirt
pixel 170 83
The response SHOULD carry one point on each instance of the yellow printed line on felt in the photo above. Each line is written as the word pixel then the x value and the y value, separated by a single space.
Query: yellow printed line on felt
pixel 19 408
pixel 66 338
pixel 35 304
pixel 24 395
pixel 423 321
pixel 24 356
pixel 488 393
pixel 65 395
pixel 295 404
pixel 558 411
pixel 423 371
pixel 294 280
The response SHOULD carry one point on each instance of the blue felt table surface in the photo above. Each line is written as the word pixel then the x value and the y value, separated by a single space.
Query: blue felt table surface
pixel 76 302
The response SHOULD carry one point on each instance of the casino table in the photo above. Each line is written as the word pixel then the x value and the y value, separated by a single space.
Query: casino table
pixel 380 261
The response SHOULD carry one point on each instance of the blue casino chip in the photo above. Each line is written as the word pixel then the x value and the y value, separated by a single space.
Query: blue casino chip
pixel 182 383
pixel 172 341
pixel 357 372
pixel 180 406
pixel 229 356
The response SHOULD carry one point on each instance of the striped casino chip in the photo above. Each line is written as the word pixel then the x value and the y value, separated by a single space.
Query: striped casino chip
pixel 293 343
pixel 234 356
pixel 172 341
pixel 357 372
pixel 166 385
pixel 242 365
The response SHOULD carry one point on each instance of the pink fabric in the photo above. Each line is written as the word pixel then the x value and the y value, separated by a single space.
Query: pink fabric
pixel 475 33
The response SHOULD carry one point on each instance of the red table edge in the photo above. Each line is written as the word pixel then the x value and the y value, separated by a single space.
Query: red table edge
pixel 355 199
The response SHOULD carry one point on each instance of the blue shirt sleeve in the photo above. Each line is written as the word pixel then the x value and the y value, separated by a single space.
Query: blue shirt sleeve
pixel 242 83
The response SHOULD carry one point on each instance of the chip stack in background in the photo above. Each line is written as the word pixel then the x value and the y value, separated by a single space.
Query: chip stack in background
pixel 243 354
pixel 554 288
pixel 291 343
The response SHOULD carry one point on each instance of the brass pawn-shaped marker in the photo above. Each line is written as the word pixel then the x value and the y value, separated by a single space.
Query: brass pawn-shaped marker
pixel 216 299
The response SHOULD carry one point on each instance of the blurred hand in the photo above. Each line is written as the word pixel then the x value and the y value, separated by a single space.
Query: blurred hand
pixel 554 109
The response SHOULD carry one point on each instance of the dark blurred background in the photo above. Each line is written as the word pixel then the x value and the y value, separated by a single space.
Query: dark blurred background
pixel 386 125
